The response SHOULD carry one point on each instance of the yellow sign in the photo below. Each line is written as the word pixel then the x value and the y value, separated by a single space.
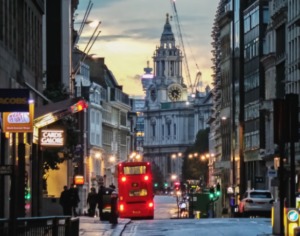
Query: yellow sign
pixel 78 180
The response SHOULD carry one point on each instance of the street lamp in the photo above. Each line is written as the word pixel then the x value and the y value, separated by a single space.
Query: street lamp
pixel 135 156
pixel 176 163
pixel 112 158
pixel 209 157
pixel 173 177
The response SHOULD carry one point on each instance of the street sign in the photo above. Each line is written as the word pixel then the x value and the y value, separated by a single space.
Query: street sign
pixel 293 215
pixel 272 173
pixel 6 169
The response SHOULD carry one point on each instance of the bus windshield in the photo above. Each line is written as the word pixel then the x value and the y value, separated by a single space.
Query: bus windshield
pixel 134 170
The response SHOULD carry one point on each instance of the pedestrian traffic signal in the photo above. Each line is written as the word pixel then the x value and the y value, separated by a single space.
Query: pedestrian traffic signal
pixel 211 192
pixel 27 194
pixel 218 193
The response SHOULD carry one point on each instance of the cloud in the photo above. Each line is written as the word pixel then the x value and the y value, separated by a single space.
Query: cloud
pixel 131 30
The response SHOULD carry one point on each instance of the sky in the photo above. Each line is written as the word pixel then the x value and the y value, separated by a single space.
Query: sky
pixel 131 31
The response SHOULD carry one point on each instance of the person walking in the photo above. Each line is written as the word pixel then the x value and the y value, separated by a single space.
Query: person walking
pixel 92 200
pixel 100 200
pixel 74 199
pixel 64 201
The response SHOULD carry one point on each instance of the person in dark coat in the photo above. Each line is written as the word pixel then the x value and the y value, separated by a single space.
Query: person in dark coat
pixel 100 201
pixel 112 186
pixel 64 201
pixel 92 201
pixel 74 199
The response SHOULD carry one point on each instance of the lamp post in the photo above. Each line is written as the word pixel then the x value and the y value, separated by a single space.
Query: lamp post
pixel 176 159
pixel 209 157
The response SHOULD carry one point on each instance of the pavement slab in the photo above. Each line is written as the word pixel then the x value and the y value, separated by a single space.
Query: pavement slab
pixel 92 226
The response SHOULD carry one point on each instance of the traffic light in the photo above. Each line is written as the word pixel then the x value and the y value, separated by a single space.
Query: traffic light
pixel 166 185
pixel 27 194
pixel 177 186
pixel 211 192
pixel 79 106
pixel 218 193
pixel 155 185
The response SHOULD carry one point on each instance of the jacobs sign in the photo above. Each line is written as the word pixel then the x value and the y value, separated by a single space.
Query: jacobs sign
pixel 52 137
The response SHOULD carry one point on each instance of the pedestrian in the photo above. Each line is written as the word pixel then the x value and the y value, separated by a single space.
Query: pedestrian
pixel 64 201
pixel 100 201
pixel 92 201
pixel 183 208
pixel 112 186
pixel 74 199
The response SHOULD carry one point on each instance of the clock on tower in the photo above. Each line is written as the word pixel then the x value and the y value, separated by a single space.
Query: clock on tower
pixel 174 92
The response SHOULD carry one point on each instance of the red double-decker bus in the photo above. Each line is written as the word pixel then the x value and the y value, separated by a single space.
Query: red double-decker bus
pixel 135 190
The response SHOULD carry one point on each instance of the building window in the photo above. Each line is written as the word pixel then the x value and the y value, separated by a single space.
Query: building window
pixel 266 15
pixel 252 140
pixel 169 129
pixel 123 118
pixel 174 125
pixel 153 130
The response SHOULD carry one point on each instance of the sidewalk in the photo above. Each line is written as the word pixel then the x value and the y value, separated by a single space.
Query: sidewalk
pixel 89 226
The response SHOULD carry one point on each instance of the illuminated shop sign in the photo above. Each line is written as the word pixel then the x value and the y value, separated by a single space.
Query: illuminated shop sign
pixel 19 122
pixel 14 100
pixel 52 138
pixel 78 180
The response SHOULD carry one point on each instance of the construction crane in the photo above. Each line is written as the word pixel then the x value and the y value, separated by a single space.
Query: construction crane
pixel 197 81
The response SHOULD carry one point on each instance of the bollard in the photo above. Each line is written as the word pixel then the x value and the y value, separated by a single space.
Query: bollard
pixel 114 208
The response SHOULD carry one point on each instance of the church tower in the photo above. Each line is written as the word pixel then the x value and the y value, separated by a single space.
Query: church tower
pixel 168 120
pixel 167 85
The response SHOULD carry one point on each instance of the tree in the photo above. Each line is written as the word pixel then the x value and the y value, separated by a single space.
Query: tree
pixel 157 175
pixel 56 94
pixel 194 168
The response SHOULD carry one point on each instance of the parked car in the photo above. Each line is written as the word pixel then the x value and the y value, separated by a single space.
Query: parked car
pixel 256 202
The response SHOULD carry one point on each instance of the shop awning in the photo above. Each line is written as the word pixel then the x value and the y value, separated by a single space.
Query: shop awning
pixel 48 114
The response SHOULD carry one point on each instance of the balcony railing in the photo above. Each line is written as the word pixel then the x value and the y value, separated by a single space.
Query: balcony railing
pixel 118 96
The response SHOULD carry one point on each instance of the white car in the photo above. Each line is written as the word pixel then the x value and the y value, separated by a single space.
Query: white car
pixel 256 202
